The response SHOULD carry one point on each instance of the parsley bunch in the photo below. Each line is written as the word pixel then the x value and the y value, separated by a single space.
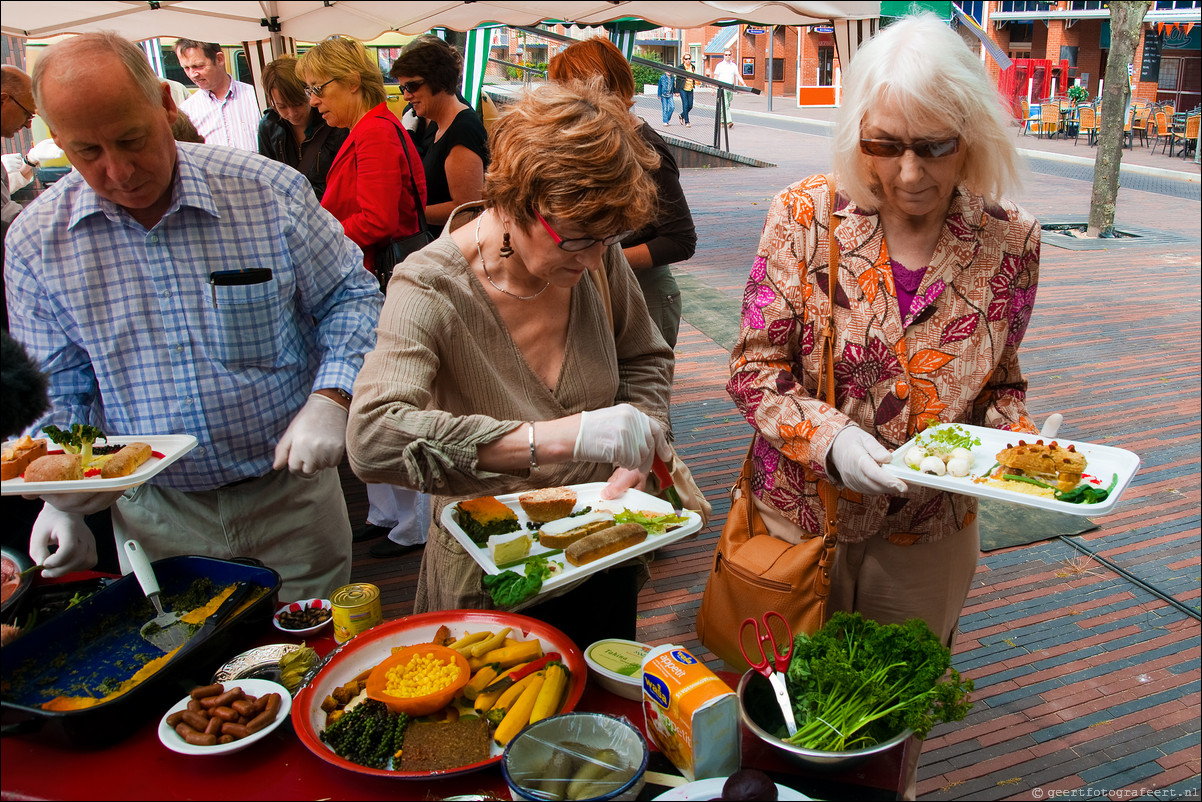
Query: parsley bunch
pixel 856 683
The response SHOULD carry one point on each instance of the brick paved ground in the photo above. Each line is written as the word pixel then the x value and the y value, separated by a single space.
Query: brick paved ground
pixel 1087 674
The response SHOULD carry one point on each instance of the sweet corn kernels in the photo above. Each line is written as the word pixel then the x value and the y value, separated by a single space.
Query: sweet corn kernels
pixel 423 675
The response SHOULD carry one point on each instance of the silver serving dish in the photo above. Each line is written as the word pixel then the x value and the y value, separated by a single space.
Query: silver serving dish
pixel 263 662
pixel 752 685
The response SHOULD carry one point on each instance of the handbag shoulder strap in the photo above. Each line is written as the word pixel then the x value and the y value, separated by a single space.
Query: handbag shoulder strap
pixel 830 493
pixel 417 196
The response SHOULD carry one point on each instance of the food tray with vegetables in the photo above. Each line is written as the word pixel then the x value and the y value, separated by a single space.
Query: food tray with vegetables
pixel 1050 473
pixel 164 450
pixel 582 507
pixel 334 711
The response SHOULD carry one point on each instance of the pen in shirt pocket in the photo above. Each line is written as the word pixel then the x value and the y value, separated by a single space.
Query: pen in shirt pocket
pixel 232 278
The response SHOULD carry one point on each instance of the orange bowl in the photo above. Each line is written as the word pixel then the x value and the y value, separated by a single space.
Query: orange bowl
pixel 418 705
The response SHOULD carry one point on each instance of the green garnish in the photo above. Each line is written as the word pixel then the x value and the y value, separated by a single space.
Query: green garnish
pixel 1081 494
pixel 943 440
pixel 654 524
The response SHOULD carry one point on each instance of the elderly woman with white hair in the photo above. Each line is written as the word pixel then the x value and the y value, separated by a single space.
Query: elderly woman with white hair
pixel 932 290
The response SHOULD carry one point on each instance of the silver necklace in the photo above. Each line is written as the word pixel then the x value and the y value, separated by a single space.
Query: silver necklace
pixel 497 287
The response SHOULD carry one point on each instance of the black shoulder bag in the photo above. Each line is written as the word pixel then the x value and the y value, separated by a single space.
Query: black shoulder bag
pixel 391 254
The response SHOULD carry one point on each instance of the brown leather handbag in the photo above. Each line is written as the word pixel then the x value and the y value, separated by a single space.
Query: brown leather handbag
pixel 755 570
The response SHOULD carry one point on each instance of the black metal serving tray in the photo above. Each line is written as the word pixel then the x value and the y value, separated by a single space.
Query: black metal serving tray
pixel 99 640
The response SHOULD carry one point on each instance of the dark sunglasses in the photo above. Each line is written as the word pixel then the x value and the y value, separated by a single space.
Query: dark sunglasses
pixel 580 243
pixel 412 86
pixel 923 149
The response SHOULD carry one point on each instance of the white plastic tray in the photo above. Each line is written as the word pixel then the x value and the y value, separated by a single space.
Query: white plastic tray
pixel 1102 463
pixel 587 495
pixel 170 446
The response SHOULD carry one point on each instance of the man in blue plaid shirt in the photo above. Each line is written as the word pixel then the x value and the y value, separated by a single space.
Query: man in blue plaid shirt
pixel 169 288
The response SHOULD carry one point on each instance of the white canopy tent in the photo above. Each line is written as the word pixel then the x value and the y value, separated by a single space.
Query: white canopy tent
pixel 230 21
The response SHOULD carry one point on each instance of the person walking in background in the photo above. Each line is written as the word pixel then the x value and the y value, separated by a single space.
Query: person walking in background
pixel 17 110
pixel 667 100
pixel 727 71
pixel 292 131
pixel 684 88
pixel 932 260
pixel 456 154
pixel 224 111
pixel 498 369
pixel 253 349
pixel 668 235
pixel 370 189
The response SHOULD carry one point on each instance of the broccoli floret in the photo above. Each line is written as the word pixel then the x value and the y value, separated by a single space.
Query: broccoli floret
pixel 370 734
pixel 78 440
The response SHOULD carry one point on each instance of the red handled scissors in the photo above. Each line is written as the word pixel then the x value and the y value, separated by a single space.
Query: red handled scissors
pixel 772 668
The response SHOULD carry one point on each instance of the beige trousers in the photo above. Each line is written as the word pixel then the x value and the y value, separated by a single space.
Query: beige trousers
pixel 890 583
pixel 297 526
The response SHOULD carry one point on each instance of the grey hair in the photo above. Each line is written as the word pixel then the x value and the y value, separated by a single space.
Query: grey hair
pixel 922 69
pixel 71 60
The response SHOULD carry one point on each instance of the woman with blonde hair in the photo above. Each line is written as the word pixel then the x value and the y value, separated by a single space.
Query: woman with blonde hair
pixel 497 367
pixel 376 184
pixel 376 188
pixel 931 295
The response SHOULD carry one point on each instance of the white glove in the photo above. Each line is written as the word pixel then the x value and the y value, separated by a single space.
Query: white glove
pixel 1051 425
pixel 76 545
pixel 45 150
pixel 858 457
pixel 80 503
pixel 620 435
pixel 315 439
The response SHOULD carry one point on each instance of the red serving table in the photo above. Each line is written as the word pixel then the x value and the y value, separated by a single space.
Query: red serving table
pixel 281 767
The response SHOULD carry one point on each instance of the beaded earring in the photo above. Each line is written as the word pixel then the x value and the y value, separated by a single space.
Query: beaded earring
pixel 506 248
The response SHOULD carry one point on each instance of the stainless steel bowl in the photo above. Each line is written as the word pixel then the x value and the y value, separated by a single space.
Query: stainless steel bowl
pixel 754 688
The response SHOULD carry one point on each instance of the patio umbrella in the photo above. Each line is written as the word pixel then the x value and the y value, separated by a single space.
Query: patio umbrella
pixel 228 21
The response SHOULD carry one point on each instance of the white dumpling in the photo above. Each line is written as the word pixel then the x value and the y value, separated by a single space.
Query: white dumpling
pixel 962 453
pixel 958 466
pixel 932 465
pixel 915 456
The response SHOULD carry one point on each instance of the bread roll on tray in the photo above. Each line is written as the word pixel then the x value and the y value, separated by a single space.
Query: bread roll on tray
pixel 55 468
pixel 125 461
pixel 604 543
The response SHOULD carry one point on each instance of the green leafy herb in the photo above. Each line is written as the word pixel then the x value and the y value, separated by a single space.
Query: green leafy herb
pixel 509 588
pixel 78 440
pixel 942 440
pixel 654 524
pixel 520 561
pixel 856 683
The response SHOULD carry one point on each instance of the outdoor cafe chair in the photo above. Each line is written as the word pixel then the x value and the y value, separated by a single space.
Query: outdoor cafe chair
pixel 1139 124
pixel 1163 132
pixel 1187 137
pixel 1030 115
pixel 1087 121
pixel 1049 120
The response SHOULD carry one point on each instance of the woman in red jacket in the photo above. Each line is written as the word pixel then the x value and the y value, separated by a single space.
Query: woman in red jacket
pixel 370 186
pixel 371 189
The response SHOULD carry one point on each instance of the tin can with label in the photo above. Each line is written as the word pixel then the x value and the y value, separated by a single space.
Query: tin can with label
pixel 356 609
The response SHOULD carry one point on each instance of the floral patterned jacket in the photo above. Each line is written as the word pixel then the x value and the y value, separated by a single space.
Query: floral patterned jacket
pixel 951 357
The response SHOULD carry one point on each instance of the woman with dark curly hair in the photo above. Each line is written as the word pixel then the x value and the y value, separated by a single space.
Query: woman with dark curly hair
pixel 456 156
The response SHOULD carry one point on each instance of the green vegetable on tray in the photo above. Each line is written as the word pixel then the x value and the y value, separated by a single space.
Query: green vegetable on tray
pixel 856 683
pixel 509 587
pixel 1081 494
pixel 78 440
pixel 654 524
